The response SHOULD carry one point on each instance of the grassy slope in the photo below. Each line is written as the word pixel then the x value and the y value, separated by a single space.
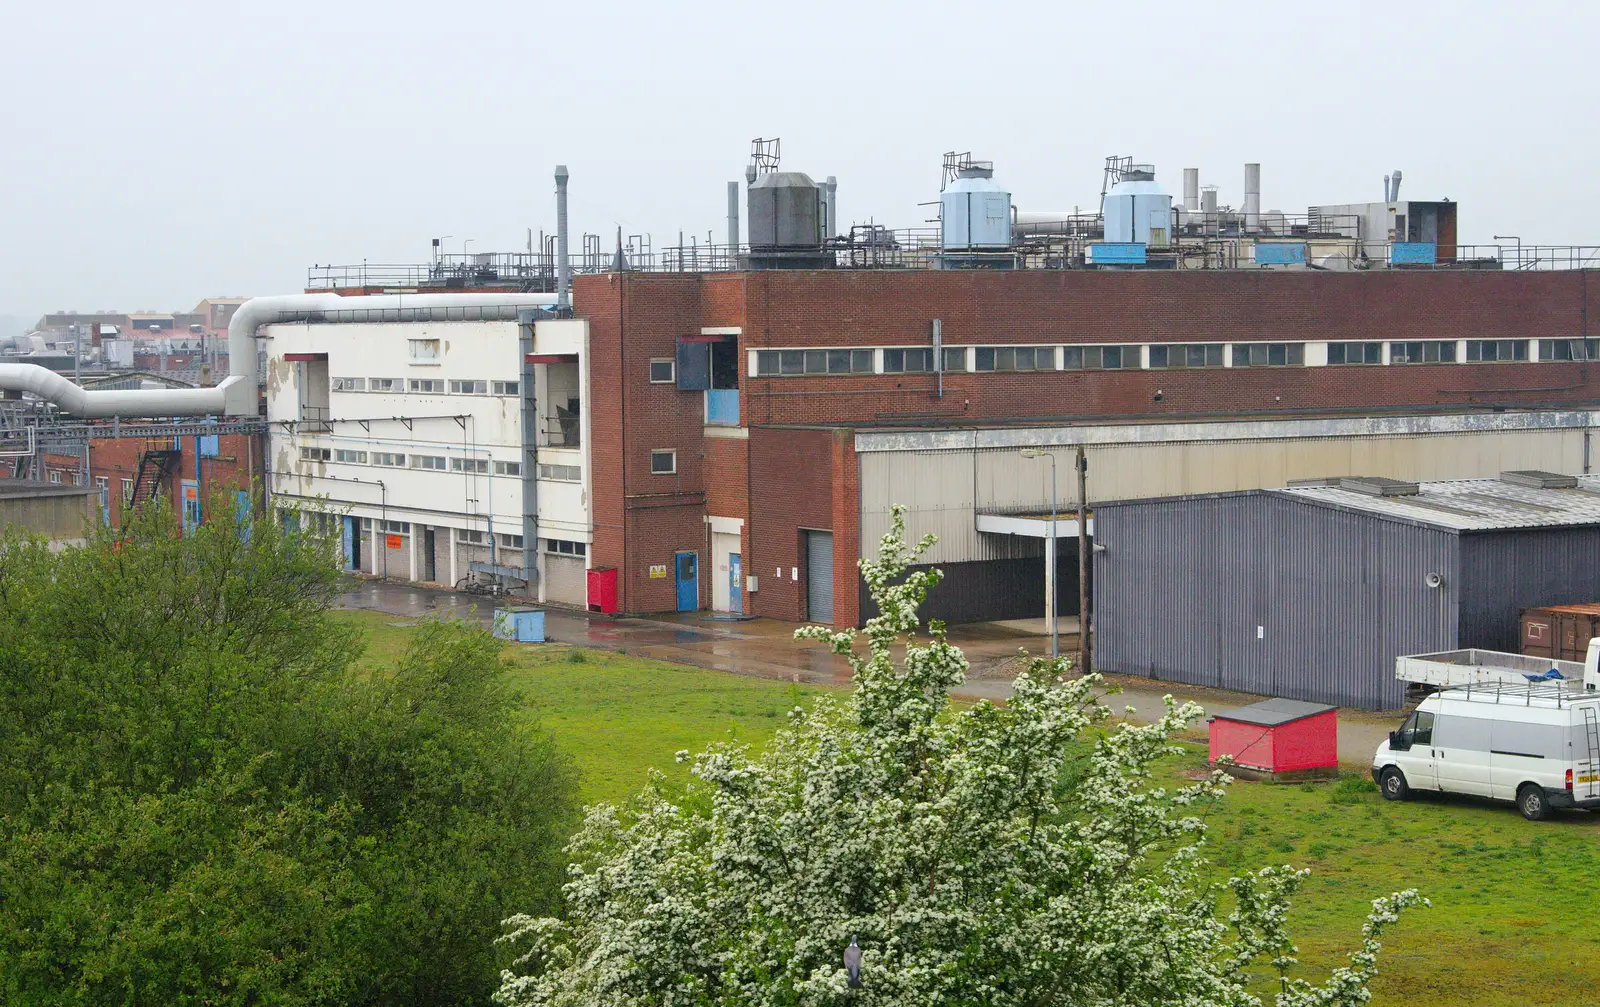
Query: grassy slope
pixel 1513 919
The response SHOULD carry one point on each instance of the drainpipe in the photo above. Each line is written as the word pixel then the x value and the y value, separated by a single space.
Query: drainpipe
pixel 563 266
pixel 530 461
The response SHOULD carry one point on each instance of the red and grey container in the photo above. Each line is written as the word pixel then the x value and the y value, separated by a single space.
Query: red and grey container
pixel 1278 739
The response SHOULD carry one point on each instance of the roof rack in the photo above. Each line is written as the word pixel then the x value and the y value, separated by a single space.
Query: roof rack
pixel 1527 692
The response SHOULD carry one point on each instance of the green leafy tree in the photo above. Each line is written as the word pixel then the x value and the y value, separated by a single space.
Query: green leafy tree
pixel 986 855
pixel 204 801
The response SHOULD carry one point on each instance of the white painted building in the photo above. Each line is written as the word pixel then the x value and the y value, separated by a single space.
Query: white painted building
pixel 413 431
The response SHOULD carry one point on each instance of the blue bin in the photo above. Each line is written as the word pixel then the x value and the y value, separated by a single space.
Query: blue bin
pixel 524 625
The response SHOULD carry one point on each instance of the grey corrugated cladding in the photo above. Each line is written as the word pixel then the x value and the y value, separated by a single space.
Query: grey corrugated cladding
pixel 1183 585
pixel 1504 572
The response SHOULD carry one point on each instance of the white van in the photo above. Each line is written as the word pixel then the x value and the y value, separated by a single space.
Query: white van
pixel 1535 744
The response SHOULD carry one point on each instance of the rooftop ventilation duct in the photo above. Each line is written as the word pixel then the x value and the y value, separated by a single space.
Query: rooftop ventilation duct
pixel 1535 479
pixel 1379 486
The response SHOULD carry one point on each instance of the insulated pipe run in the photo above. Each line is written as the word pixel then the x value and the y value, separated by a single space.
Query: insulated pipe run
pixel 237 395
pixel 563 266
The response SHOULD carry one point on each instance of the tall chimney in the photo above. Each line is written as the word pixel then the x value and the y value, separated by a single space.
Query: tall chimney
pixel 832 187
pixel 1386 196
pixel 563 267
pixel 733 219
pixel 1252 197
pixel 1191 189
pixel 1394 193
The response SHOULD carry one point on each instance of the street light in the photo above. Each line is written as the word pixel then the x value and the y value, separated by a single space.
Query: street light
pixel 1050 551
pixel 1517 239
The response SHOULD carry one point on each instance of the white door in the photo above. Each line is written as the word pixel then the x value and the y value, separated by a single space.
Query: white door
pixel 723 546
pixel 1413 751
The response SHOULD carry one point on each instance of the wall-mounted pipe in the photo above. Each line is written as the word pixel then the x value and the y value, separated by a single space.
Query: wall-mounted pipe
pixel 563 265
pixel 237 395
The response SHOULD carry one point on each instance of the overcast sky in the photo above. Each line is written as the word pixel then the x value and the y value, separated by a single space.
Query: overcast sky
pixel 160 152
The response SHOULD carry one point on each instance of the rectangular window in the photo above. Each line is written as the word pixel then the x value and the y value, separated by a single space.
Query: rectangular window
pixel 427 385
pixel 55 477
pixel 1015 358
pixel 480 466
pixel 385 384
pixel 389 459
pixel 912 361
pixel 469 387
pixel 1355 353
pixel 562 547
pixel 955 358
pixel 316 454
pixel 77 478
pixel 1496 350
pixel 127 491
pixel 1186 355
pixel 504 387
pixel 508 468
pixel 469 537
pixel 349 384
pixel 561 473
pixel 1429 352
pixel 510 541
pixel 424 351
pixel 1096 358
pixel 663 462
pixel 350 457
pixel 397 527
pixel 101 482
pixel 780 363
pixel 1269 354
pixel 1569 349
pixel 663 371
pixel 433 463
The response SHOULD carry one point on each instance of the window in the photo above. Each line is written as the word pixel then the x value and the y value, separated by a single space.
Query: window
pixel 127 491
pixel 1096 358
pixel 77 478
pixel 397 527
pixel 385 384
pixel 349 384
pixel 789 362
pixel 510 541
pixel 663 462
pixel 1186 355
pixel 1355 353
pixel 469 388
pixel 427 385
pixel 394 461
pixel 561 473
pixel 315 455
pixel 913 361
pixel 1269 354
pixel 424 351
pixel 663 371
pixel 1496 350
pixel 477 465
pixel 1433 352
pixel 955 358
pixel 1569 349
pixel 350 457
pixel 101 482
pixel 561 547
pixel 434 463
pixel 469 537
pixel 504 387
pixel 508 468
pixel 1015 358
pixel 55 476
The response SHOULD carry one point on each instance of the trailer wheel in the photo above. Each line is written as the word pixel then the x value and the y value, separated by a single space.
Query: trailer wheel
pixel 1392 784
pixel 1532 802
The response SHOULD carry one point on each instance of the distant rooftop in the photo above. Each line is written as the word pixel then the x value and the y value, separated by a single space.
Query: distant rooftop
pixel 1466 504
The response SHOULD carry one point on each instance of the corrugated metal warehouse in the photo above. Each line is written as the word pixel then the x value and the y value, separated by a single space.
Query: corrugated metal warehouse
pixel 1311 592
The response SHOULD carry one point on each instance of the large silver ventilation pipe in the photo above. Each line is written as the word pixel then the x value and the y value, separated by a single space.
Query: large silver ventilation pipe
pixel 733 218
pixel 563 265
pixel 238 393
pixel 1394 188
pixel 1252 197
pixel 1191 189
pixel 831 189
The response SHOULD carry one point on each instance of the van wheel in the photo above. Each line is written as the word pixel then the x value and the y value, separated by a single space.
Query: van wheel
pixel 1532 803
pixel 1392 784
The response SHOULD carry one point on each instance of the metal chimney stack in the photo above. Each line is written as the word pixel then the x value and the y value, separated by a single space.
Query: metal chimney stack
pixel 1394 191
pixel 831 187
pixel 1252 197
pixel 733 219
pixel 563 266
pixel 1191 189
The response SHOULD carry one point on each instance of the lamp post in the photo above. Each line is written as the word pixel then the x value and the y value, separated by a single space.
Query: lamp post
pixel 1513 237
pixel 1050 550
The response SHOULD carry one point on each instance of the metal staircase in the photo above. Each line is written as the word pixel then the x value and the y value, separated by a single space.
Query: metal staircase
pixel 159 460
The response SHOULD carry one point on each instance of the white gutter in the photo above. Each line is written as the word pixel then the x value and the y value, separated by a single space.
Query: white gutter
pixel 237 395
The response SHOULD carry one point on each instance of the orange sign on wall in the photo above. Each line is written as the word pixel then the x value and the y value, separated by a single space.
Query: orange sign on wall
pixel 392 541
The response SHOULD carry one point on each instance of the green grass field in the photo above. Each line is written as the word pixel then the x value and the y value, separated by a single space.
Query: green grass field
pixel 1514 918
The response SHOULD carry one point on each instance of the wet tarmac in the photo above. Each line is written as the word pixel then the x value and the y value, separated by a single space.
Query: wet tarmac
pixel 766 648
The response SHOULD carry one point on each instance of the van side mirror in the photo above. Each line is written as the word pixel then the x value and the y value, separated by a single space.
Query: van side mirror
pixel 1395 743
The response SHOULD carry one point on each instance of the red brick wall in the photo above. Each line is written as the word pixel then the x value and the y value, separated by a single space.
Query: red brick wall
pixel 236 466
pixel 846 502
pixel 791 488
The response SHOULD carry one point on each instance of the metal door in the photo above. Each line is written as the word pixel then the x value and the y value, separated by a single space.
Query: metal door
pixel 429 568
pixel 687 566
pixel 735 584
pixel 819 576
pixel 352 554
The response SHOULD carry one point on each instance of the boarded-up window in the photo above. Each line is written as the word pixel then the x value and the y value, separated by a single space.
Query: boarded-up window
pixel 694 366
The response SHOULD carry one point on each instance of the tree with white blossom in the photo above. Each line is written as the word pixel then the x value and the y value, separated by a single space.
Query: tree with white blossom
pixel 1013 854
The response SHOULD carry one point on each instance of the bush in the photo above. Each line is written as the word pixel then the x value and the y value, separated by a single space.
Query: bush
pixel 201 802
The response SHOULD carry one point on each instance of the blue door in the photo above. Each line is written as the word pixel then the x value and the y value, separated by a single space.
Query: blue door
pixel 688 573
pixel 350 539
pixel 735 582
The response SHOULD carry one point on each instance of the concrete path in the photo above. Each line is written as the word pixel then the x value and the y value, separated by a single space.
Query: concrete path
pixel 766 648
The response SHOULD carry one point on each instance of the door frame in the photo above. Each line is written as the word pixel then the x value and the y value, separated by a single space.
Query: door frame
pixel 678 580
